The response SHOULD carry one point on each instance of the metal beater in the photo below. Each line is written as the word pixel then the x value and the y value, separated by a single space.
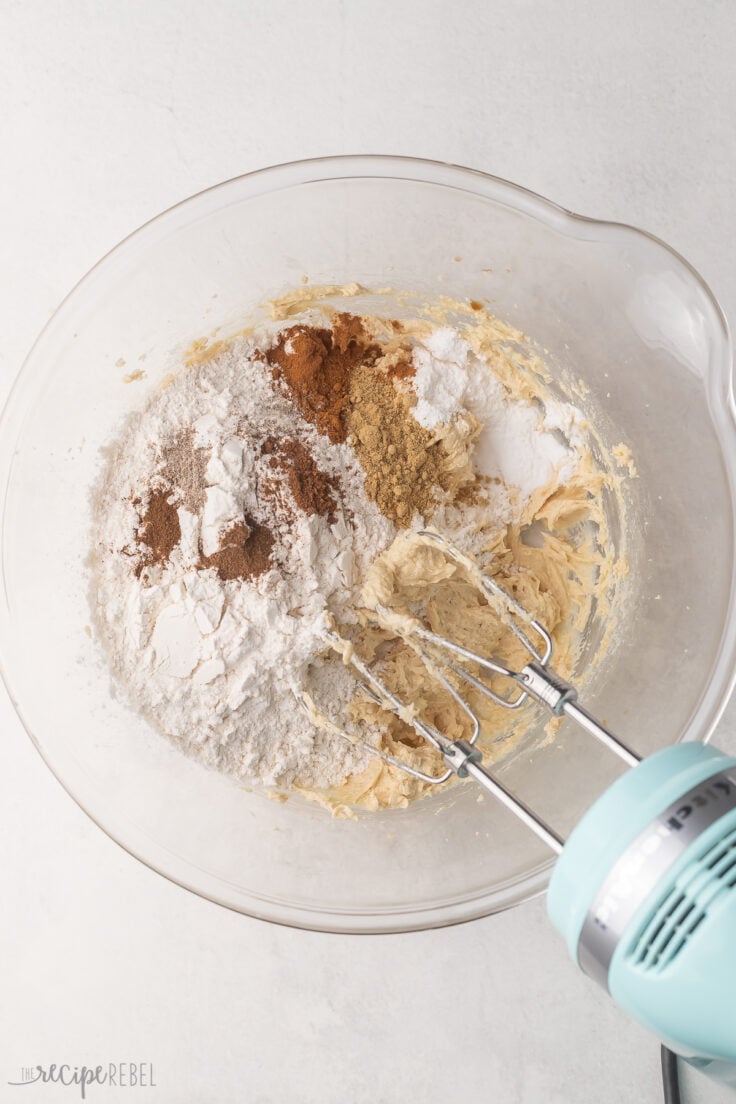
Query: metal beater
pixel 536 680
pixel 644 889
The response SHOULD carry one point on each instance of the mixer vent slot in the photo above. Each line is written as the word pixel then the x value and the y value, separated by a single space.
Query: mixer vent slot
pixel 680 912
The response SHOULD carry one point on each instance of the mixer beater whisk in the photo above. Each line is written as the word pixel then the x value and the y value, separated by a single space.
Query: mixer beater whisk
pixel 445 658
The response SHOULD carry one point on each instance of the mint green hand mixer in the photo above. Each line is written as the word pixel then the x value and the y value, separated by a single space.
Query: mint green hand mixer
pixel 644 889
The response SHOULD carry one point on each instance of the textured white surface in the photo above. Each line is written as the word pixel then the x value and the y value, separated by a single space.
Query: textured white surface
pixel 111 112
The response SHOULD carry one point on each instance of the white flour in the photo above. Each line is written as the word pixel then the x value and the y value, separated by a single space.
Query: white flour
pixel 214 663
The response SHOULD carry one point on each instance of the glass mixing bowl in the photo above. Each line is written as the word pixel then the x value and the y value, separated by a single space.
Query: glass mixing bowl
pixel 609 304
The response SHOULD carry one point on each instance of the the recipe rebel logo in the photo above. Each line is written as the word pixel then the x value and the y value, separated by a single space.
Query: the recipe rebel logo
pixel 118 1075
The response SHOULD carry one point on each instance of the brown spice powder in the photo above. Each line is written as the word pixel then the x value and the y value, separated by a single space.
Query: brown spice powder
pixel 401 370
pixel 313 490
pixel 343 386
pixel 245 552
pixel 159 530
pixel 402 462
pixel 316 365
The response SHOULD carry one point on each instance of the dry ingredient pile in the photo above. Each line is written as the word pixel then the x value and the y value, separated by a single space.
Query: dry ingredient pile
pixel 266 493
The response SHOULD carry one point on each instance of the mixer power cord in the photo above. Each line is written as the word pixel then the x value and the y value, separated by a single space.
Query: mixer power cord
pixel 670 1077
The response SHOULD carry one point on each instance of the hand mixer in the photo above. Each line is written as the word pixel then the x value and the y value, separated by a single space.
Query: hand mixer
pixel 644 889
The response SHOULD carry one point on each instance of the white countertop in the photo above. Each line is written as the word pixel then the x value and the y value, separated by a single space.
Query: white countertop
pixel 110 113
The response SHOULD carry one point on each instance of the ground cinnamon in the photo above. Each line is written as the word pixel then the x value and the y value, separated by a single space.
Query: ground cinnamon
pixel 159 531
pixel 244 553
pixel 316 365
pixel 402 369
pixel 313 490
